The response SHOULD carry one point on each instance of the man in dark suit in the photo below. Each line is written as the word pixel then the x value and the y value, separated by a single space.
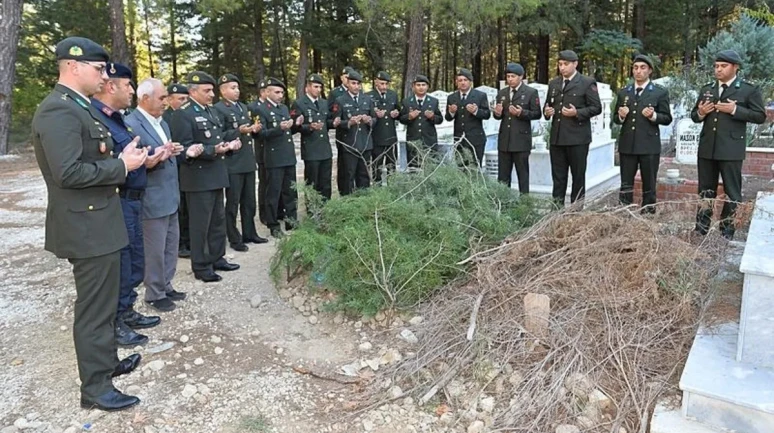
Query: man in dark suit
pixel 356 116
pixel 161 199
pixel 725 107
pixel 573 100
pixel 203 176
pixel 177 95
pixel 514 141
pixel 279 157
pixel 315 144
pixel 332 97
pixel 384 136
pixel 116 95
pixel 240 194
pixel 641 107
pixel 420 114
pixel 84 223
pixel 468 108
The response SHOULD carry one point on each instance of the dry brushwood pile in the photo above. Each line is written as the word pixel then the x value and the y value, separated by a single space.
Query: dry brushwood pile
pixel 613 308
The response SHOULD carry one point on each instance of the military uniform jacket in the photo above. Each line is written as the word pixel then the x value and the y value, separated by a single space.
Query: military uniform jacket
pixel 640 135
pixel 581 92
pixel 356 137
pixel 332 97
pixel 279 150
pixel 515 133
pixel 723 136
pixel 74 153
pixel 167 115
pixel 384 134
pixel 421 128
pixel 465 122
pixel 193 124
pixel 315 145
pixel 254 108
pixel 232 115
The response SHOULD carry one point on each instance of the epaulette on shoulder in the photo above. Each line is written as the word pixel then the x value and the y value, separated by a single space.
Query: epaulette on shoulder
pixel 186 105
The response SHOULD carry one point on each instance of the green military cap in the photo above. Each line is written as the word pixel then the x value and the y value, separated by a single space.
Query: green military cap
pixel 275 82
pixel 421 79
pixel 381 75
pixel 199 77
pixel 228 78
pixel 464 72
pixel 729 56
pixel 262 85
pixel 514 68
pixel 643 59
pixel 177 88
pixel 77 48
pixel 354 75
pixel 347 70
pixel 117 70
pixel 568 55
pixel 315 78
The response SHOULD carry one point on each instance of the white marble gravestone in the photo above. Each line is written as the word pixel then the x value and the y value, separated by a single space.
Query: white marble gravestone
pixel 687 148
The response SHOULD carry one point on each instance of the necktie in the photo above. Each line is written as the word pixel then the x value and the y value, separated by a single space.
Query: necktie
pixel 513 94
pixel 355 98
pixel 207 109
pixel 239 107
pixel 316 104
pixel 566 82
pixel 464 97
pixel 382 96
pixel 722 90
pixel 638 92
pixel 419 101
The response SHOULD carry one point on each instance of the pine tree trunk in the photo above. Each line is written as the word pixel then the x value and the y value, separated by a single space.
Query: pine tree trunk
pixel 10 27
pixel 258 48
pixel 120 47
pixel 172 41
pixel 543 67
pixel 303 58
pixel 414 53
pixel 148 43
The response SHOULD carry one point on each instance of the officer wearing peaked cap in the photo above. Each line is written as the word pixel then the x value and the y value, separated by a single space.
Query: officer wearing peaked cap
pixel 177 95
pixel 204 175
pixel 384 133
pixel 724 107
pixel 73 150
pixel 420 113
pixel 468 108
pixel 255 108
pixel 332 97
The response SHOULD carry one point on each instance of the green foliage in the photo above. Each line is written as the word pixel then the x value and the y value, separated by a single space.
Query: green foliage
pixel 393 246
pixel 753 41
pixel 603 46
pixel 254 424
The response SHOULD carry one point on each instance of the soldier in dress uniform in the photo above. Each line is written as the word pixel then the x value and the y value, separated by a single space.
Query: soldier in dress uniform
pixel 203 176
pixel 240 194
pixel 177 95
pixel 315 144
pixel 468 108
pixel 384 135
pixel 354 114
pixel 641 107
pixel 516 107
pixel 116 95
pixel 255 108
pixel 332 97
pixel 74 151
pixel 279 157
pixel 573 100
pixel 725 106
pixel 420 114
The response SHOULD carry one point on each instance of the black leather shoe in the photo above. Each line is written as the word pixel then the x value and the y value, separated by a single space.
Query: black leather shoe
pixel 289 226
pixel 277 234
pixel 239 247
pixel 110 401
pixel 164 305
pixel 225 266
pixel 127 365
pixel 256 240
pixel 125 336
pixel 184 253
pixel 210 277
pixel 136 320
pixel 176 296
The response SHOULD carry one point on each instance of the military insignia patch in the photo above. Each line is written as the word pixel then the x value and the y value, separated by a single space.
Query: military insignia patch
pixel 112 68
pixel 102 147
pixel 207 134
pixel 75 50
pixel 174 88
pixel 236 125
pixel 223 78
pixel 195 78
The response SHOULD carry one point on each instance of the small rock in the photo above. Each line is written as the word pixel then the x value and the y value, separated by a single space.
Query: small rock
pixel 447 418
pixel 408 336
pixel 218 350
pixel 338 319
pixel 285 294
pixel 567 428
pixel 313 320
pixel 71 429
pixel 586 423
pixel 455 388
pixel 181 376
pixel 298 302
pixel 156 365
pixel 149 429
pixel 184 339
pixel 216 339
pixel 368 425
pixel 380 316
pixel 189 391
pixel 133 389
pixel 476 426
pixel 17 362
pixel 408 401
pixel 365 347
pixel 516 378
pixel 9 429
pixel 32 416
pixel 373 364
pixel 578 384
pixel 198 361
pixel 622 430
pixel 280 351
pixel 416 320
pixel 487 404
pixel 390 357
pixel 396 392
pixel 21 423
pixel 63 328
pixel 161 347
pixel 256 301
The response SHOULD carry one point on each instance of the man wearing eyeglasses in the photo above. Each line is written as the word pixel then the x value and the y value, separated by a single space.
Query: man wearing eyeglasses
pixel 74 152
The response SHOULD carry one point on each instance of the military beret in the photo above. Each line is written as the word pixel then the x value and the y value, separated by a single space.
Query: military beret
pixel 644 59
pixel 421 79
pixel 354 76
pixel 381 75
pixel 315 78
pixel 117 70
pixel 177 88
pixel 228 78
pixel 77 48
pixel 275 82
pixel 262 85
pixel 199 77
pixel 347 70
pixel 729 56
pixel 568 55
pixel 514 68
pixel 464 72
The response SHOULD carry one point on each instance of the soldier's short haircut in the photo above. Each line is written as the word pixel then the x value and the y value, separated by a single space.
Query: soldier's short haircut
pixel 192 87
pixel 148 87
